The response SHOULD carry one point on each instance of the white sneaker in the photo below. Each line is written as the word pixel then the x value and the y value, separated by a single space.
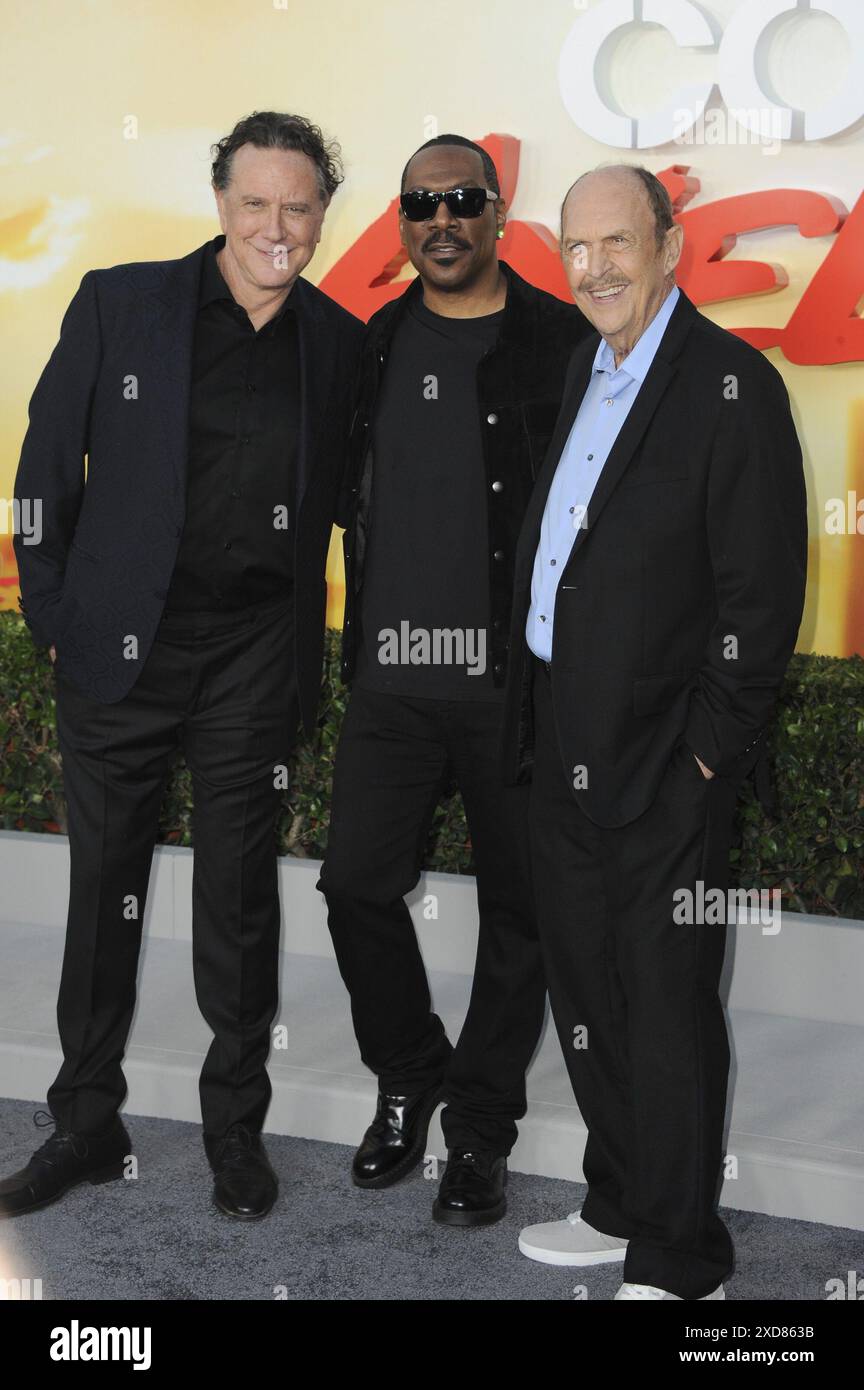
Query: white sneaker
pixel 570 1242
pixel 648 1291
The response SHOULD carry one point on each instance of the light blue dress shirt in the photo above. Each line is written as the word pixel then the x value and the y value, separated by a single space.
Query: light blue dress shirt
pixel 605 405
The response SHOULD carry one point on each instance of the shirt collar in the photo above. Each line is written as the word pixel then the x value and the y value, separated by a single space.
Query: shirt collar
pixel 641 355
pixel 214 286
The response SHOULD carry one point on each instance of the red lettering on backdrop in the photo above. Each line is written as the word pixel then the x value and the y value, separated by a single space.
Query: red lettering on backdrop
pixel 825 326
pixel 710 234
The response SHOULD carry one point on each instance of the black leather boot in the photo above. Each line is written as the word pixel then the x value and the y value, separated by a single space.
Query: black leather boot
pixel 62 1162
pixel 472 1191
pixel 395 1141
pixel 245 1185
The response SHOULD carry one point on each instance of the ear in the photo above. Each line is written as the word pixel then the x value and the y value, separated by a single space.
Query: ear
pixel 500 216
pixel 219 195
pixel 402 236
pixel 674 246
pixel 325 203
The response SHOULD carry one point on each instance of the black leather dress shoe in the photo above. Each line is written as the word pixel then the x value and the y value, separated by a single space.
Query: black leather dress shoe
pixel 64 1161
pixel 245 1185
pixel 395 1141
pixel 472 1191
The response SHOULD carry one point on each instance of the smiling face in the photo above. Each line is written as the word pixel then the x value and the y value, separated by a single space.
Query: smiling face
pixel 618 273
pixel 450 253
pixel 271 214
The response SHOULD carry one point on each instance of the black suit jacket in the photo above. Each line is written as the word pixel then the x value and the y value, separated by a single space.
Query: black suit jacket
pixel 679 606
pixel 108 547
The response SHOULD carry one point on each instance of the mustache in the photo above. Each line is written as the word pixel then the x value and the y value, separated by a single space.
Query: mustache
pixel 602 285
pixel 445 239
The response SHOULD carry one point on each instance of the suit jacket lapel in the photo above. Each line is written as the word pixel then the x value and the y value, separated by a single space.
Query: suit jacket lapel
pixel 639 416
pixel 575 386
pixel 648 397
pixel 657 379
pixel 170 309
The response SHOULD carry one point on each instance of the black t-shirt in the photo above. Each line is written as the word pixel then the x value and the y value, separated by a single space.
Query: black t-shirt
pixel 425 599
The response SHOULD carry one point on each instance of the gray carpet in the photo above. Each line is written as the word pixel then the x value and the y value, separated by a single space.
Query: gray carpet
pixel 159 1237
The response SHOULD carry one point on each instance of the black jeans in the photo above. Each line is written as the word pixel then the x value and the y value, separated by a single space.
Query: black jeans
pixel 221 687
pixel 634 997
pixel 395 757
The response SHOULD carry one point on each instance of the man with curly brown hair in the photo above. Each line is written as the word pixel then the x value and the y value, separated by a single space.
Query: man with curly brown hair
pixel 180 589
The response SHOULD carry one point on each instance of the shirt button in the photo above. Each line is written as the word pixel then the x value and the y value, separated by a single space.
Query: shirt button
pixel 492 419
pixel 244 439
pixel 553 562
pixel 227 545
pixel 542 617
pixel 235 492
pixel 498 555
pixel 590 456
pixel 249 387
pixel 497 487
pixel 609 400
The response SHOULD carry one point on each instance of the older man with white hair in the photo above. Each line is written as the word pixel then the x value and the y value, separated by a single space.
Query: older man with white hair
pixel 658 592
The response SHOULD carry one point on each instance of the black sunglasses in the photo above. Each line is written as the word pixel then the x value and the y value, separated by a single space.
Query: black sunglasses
pixel 421 204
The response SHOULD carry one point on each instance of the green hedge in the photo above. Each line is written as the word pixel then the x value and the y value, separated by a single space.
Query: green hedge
pixel 813 848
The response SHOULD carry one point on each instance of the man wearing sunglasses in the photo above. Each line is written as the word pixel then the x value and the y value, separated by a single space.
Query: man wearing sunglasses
pixel 460 383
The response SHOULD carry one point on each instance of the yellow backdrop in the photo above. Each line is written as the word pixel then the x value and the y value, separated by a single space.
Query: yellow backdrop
pixel 109 111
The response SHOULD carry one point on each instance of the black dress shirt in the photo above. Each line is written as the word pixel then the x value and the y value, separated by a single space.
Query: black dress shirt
pixel 237 545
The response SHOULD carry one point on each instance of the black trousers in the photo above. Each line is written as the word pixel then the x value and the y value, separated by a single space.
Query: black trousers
pixel 222 687
pixel 634 996
pixel 394 758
